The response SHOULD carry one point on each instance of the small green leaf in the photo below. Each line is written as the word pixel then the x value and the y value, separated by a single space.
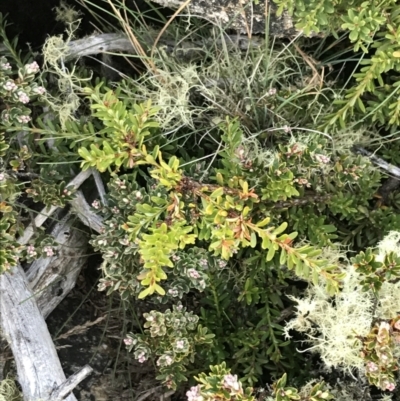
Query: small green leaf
pixel 145 293
pixel 271 253
pixel 253 240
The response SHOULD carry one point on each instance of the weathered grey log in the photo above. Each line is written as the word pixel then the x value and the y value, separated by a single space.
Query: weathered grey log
pixel 47 212
pixel 82 210
pixel 389 168
pixel 39 369
pixel 65 388
pixel 243 16
pixel 115 42
pixel 52 278
pixel 21 320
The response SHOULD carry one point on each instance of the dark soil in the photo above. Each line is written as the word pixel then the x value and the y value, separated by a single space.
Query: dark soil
pixel 116 375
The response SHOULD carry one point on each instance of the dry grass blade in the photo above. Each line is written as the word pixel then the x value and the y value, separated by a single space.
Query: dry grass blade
pixel 135 43
pixel 80 328
pixel 311 62
pixel 167 25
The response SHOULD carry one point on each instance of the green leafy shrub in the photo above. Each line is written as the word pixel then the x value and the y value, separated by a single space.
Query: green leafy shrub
pixel 219 384
pixel 238 231
pixel 175 234
pixel 174 337
pixel 373 28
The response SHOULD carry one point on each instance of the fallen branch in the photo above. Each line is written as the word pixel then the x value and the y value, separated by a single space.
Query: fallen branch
pixel 52 278
pixel 82 209
pixel 100 186
pixel 114 42
pixel 392 170
pixel 24 327
pixel 47 212
pixel 66 388
pixel 22 322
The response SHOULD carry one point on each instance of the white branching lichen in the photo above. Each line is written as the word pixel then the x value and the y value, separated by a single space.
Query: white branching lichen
pixel 170 91
pixel 67 101
pixel 332 324
pixel 9 391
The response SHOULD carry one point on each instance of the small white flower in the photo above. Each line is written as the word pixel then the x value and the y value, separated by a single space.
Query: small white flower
pixel 40 90
pixel 10 86
pixel 48 250
pixel 222 264
pixel 167 360
pixel 389 386
pixel 32 68
pixel 31 251
pixel 120 184
pixel 124 241
pixel 322 159
pixel 180 344
pixel 23 119
pixel 173 292
pixel 372 367
pixel 128 341
pixel 5 66
pixel 23 97
pixel 272 91
pixel 231 381
pixel 142 357
pixel 96 204
pixel 2 177
pixel 194 394
pixel 193 273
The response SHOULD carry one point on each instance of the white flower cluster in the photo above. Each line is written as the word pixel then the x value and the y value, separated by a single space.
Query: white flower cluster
pixel 32 68
pixel 194 394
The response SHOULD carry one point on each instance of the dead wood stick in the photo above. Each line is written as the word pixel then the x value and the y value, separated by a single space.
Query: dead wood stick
pixel 114 42
pixel 82 209
pixel 100 187
pixel 47 212
pixel 66 388
pixel 24 327
pixel 390 168
pixel 52 278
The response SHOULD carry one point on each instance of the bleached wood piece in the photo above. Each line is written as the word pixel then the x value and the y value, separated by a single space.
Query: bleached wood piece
pixel 82 210
pixel 39 369
pixel 115 42
pixel 100 187
pixel 22 322
pixel 389 168
pixel 52 278
pixel 46 212
pixel 64 389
